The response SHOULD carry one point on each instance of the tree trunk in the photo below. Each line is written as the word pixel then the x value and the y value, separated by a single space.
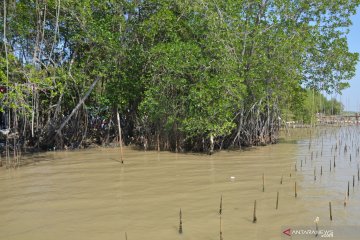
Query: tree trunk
pixel 81 102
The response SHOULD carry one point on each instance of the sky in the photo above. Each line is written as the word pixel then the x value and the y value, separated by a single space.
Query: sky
pixel 351 97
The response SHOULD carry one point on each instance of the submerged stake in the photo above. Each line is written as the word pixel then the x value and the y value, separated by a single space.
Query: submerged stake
pixel 254 215
pixel 330 211
pixel 263 180
pixel 221 238
pixel 353 181
pixel 295 190
pixel 180 225
pixel 345 200
pixel 277 200
pixel 220 211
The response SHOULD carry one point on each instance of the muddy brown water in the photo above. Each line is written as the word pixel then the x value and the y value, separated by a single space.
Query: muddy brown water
pixel 90 195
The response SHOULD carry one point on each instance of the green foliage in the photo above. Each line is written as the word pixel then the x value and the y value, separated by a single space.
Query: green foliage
pixel 311 103
pixel 179 69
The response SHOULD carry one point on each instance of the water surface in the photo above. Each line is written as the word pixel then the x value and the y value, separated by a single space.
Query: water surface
pixel 90 195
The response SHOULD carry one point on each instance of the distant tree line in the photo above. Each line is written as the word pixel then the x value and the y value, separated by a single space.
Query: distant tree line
pixel 312 104
pixel 183 75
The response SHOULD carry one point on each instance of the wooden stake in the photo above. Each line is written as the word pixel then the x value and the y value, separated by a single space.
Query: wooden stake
pixel 353 181
pixel 345 200
pixel 321 170
pixel 221 237
pixel 331 218
pixel 295 190
pixel 348 191
pixel 125 235
pixel 180 225
pixel 220 210
pixel 277 200
pixel 254 215
pixel 120 138
pixel 281 179
pixel 263 181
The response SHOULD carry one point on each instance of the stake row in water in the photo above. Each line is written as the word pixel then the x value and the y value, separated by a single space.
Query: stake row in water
pixel 254 219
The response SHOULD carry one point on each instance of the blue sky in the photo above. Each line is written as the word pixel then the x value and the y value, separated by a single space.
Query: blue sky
pixel 351 96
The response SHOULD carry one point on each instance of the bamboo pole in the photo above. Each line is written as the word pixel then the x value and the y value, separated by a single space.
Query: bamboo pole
pixel 180 224
pixel 321 170
pixel 295 190
pixel 120 138
pixel 263 181
pixel 345 200
pixel 220 210
pixel 254 214
pixel 353 181
pixel 330 210
pixel 221 237
pixel 277 200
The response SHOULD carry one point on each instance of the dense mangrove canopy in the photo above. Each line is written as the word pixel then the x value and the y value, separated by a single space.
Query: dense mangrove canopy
pixel 184 75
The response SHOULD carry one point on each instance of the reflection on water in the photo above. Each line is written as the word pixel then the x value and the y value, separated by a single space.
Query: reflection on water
pixel 90 195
